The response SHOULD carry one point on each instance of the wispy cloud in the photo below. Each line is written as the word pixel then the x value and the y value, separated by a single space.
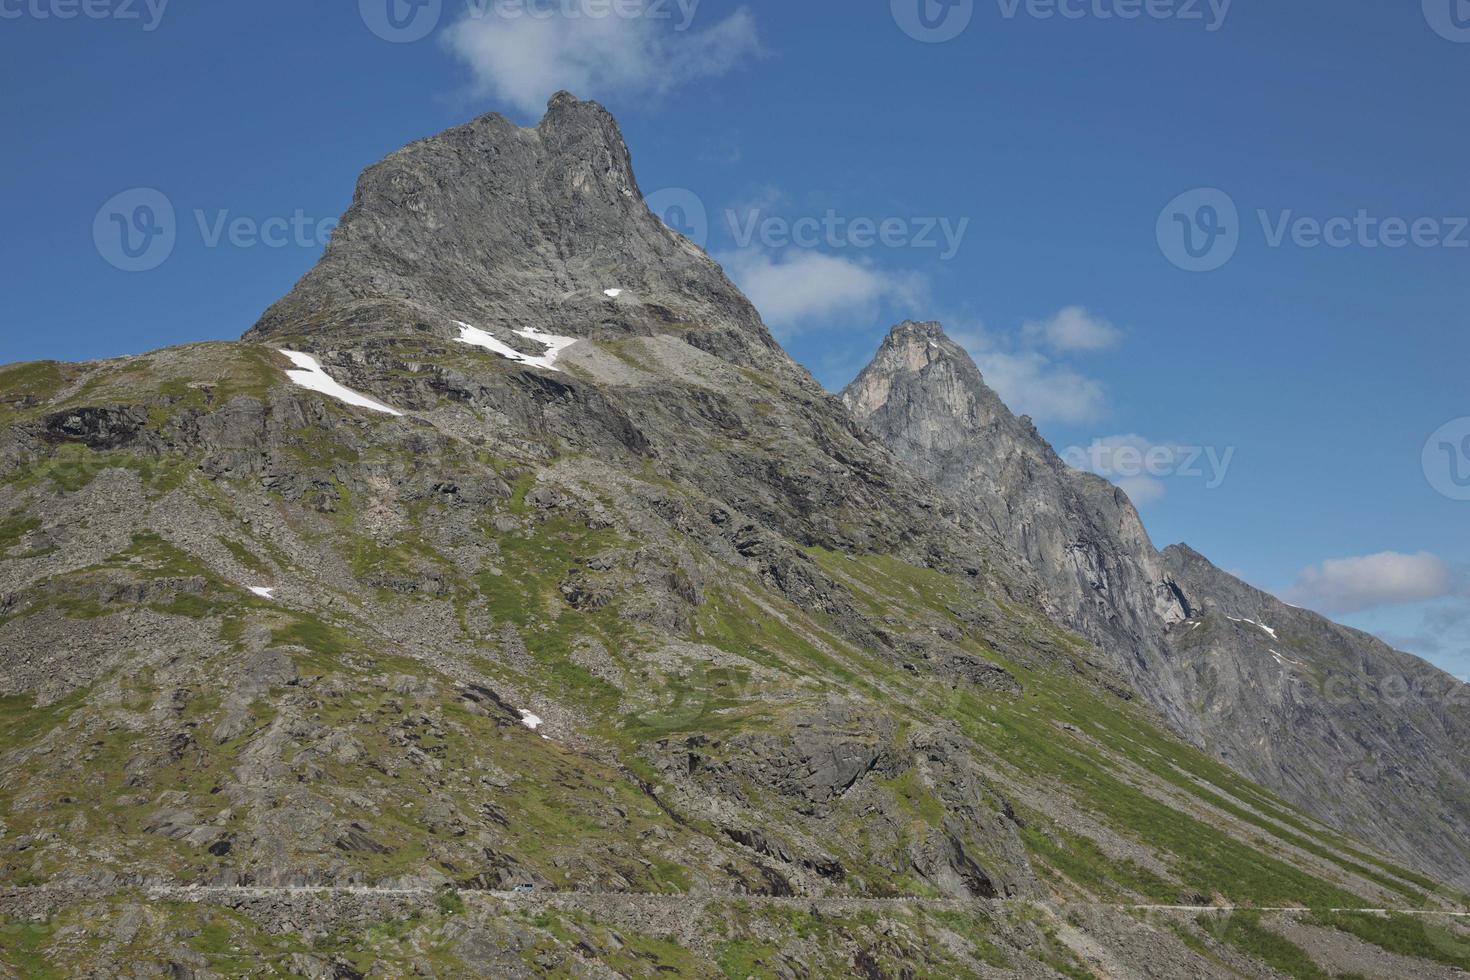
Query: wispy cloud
pixel 1073 329
pixel 1347 585
pixel 795 289
pixel 1142 490
pixel 1025 366
pixel 1031 383
pixel 522 54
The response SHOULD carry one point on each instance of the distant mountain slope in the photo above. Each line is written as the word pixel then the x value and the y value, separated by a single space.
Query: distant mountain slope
pixel 1356 733
pixel 634 615
pixel 1359 734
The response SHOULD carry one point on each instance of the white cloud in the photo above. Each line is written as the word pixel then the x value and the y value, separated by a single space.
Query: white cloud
pixel 1345 585
pixel 1142 490
pixel 1073 329
pixel 524 57
pixel 1024 368
pixel 797 287
pixel 1031 383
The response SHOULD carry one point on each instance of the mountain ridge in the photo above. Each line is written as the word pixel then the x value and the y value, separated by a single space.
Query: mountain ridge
pixel 649 614
pixel 925 398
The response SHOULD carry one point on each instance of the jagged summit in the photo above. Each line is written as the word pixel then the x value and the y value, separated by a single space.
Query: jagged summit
pixel 922 348
pixel 930 329
pixel 925 398
pixel 507 228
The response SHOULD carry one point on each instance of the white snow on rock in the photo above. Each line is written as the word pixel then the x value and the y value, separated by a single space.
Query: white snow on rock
pixel 1259 626
pixel 479 338
pixel 263 592
pixel 1283 661
pixel 311 376
pixel 612 293
pixel 530 721
pixel 554 345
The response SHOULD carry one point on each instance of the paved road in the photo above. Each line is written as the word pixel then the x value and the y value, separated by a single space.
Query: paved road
pixel 1255 908
pixel 235 892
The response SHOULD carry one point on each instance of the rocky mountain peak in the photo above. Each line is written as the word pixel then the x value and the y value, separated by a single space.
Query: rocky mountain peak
pixel 924 375
pixel 506 228
pixel 924 397
pixel 916 330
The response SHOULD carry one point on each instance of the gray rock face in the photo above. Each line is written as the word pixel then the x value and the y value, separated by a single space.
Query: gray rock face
pixel 1365 737
pixel 1362 735
pixel 924 398
pixel 506 228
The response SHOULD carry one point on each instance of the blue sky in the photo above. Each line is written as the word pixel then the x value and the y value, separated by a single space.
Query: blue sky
pixel 1028 179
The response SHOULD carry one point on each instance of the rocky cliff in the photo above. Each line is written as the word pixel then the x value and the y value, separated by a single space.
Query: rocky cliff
pixel 924 398
pixel 1360 735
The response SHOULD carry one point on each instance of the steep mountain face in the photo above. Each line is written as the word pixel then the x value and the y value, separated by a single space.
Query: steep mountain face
pixel 1354 732
pixel 924 398
pixel 1357 733
pixel 500 581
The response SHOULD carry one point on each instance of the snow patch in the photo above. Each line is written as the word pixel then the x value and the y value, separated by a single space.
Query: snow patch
pixel 530 721
pixel 1259 626
pixel 554 345
pixel 263 592
pixel 309 375
pixel 612 293
pixel 1283 661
